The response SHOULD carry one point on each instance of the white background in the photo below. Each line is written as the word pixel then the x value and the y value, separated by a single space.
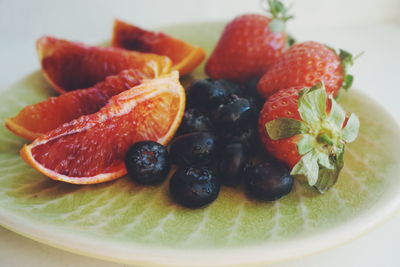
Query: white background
pixel 372 26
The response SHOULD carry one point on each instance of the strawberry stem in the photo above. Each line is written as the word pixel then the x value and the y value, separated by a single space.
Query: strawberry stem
pixel 358 56
pixel 278 10
pixel 279 14
pixel 324 138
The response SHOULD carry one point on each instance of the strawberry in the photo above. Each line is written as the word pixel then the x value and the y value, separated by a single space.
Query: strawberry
pixel 248 45
pixel 305 64
pixel 306 129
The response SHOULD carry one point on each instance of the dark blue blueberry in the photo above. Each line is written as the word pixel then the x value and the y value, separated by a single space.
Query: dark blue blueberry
pixel 268 181
pixel 193 148
pixel 250 92
pixel 250 88
pixel 231 87
pixel 237 113
pixel 147 162
pixel 232 162
pixel 248 136
pixel 195 121
pixel 256 103
pixel 210 93
pixel 194 187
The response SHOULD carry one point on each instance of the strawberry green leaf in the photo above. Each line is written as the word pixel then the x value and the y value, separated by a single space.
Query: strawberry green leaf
pixel 350 131
pixel 290 40
pixel 346 57
pixel 279 14
pixel 347 81
pixel 336 115
pixel 276 7
pixel 284 128
pixel 306 144
pixel 324 161
pixel 307 166
pixel 347 60
pixel 320 170
pixel 312 105
pixel 328 177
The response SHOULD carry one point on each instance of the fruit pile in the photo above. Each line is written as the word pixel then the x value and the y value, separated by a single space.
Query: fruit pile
pixel 217 143
pixel 266 116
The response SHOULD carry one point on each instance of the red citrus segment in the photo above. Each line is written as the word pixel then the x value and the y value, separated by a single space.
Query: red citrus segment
pixel 91 149
pixel 71 65
pixel 38 119
pixel 185 57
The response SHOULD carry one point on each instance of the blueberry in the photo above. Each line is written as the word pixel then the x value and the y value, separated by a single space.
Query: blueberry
pixel 250 87
pixel 194 187
pixel 193 148
pixel 256 103
pixel 248 136
pixel 250 92
pixel 237 113
pixel 268 181
pixel 195 121
pixel 233 161
pixel 231 87
pixel 209 93
pixel 147 162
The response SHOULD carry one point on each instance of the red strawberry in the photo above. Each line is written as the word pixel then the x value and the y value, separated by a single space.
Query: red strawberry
pixel 249 45
pixel 305 64
pixel 307 129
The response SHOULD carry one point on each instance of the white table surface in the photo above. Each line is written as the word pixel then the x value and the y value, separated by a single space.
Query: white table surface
pixel 370 26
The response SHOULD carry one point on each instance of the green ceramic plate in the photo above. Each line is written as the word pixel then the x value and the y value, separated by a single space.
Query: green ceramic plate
pixel 125 222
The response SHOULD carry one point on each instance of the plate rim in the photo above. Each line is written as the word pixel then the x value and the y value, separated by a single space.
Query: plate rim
pixel 128 253
pixel 136 253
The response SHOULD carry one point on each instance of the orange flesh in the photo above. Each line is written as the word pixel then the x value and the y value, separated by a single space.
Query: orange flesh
pixel 38 119
pixel 69 65
pixel 185 57
pixel 96 144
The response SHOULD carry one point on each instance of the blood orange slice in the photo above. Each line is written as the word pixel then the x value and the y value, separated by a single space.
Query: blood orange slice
pixel 70 65
pixel 185 57
pixel 38 119
pixel 91 149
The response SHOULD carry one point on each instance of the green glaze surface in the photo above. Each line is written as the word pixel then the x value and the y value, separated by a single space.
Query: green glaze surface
pixel 121 211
